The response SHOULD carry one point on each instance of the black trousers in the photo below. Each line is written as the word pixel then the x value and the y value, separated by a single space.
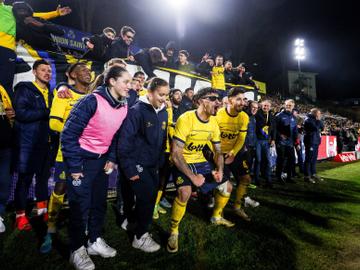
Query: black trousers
pixel 140 209
pixel 87 202
pixel 42 172
pixel 285 160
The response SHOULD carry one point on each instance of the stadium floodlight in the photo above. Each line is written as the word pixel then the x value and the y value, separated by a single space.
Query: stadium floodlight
pixel 178 4
pixel 299 51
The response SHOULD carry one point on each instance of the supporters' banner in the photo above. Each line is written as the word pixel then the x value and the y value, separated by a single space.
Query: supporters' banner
pixel 71 40
pixel 26 56
pixel 346 157
pixel 327 148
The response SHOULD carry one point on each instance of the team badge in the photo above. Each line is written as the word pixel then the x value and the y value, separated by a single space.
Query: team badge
pixel 139 168
pixel 179 180
pixel 163 125
pixel 76 182
pixel 62 175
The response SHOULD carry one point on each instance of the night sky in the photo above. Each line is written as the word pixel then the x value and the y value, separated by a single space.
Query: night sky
pixel 250 31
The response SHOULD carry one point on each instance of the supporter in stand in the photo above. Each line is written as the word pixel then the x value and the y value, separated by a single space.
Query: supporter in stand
pixel 7 41
pixel 205 66
pixel 120 47
pixel 230 73
pixel 183 63
pixel 98 45
pixel 170 51
pixel 218 77
pixel 148 58
pixel 187 99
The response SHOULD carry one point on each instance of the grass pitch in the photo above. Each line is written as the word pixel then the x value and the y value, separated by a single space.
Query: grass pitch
pixel 297 226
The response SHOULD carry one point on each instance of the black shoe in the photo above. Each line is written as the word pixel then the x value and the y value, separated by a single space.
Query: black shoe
pixel 289 180
pixel 269 185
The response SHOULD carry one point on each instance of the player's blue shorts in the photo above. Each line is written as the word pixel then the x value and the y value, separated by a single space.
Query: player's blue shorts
pixel 204 168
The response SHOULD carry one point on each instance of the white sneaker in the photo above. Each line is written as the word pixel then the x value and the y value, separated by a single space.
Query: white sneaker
pixel 101 248
pixel 128 226
pixel 211 203
pixel 251 202
pixel 2 225
pixel 145 243
pixel 81 260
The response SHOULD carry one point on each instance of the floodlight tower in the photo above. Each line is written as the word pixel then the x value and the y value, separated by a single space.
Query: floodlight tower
pixel 299 51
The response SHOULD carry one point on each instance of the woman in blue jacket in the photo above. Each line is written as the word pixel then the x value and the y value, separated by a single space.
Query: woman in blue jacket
pixel 141 151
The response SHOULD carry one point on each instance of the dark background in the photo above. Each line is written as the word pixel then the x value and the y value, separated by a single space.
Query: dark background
pixel 250 31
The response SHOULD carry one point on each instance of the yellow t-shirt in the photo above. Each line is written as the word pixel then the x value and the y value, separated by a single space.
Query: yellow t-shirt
pixel 44 92
pixel 218 78
pixel 195 134
pixel 233 130
pixel 60 110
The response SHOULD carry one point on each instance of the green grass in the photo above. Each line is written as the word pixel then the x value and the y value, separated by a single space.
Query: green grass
pixel 297 226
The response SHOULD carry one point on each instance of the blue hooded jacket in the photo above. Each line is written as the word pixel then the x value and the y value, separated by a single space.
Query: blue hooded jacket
pixel 142 138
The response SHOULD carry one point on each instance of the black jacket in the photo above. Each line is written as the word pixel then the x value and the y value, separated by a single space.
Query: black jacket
pixel 117 49
pixel 101 45
pixel 312 129
pixel 144 60
pixel 31 125
pixel 263 120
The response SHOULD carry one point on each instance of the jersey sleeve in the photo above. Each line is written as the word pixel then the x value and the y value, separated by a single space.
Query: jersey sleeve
pixel 182 128
pixel 58 109
pixel 239 144
pixel 216 135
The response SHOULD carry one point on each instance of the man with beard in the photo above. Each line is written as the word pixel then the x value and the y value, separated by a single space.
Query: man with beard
pixel 32 106
pixel 60 111
pixel 193 131
pixel 233 123
pixel 187 99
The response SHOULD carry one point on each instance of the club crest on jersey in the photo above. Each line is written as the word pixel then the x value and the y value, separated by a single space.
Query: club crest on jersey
pixel 76 182
pixel 62 175
pixel 179 180
pixel 149 124
pixel 139 168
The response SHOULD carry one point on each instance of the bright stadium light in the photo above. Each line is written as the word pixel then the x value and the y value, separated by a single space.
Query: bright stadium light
pixel 178 4
pixel 299 51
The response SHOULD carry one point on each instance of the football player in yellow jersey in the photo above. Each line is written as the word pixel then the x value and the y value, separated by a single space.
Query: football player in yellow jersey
pixel 233 123
pixel 193 130
pixel 60 111
pixel 218 76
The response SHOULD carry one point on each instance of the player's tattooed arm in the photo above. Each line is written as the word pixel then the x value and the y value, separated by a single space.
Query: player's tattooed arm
pixel 178 158
pixel 219 158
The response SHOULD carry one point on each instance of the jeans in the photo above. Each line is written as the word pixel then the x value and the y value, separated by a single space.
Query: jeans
pixel 262 155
